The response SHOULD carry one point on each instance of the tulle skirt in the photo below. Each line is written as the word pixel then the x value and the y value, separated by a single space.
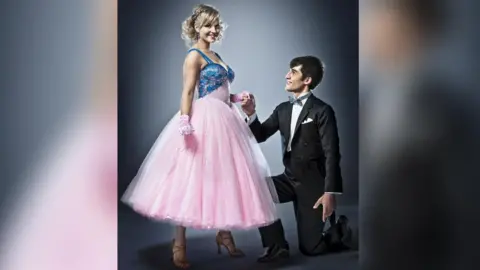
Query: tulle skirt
pixel 215 178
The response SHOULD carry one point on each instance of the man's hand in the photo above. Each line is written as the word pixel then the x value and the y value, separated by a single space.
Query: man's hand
pixel 239 97
pixel 248 105
pixel 328 202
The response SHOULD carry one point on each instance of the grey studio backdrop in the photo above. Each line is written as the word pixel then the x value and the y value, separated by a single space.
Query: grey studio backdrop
pixel 260 40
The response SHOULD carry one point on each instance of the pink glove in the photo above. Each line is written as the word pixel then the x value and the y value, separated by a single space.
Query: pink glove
pixel 185 127
pixel 239 97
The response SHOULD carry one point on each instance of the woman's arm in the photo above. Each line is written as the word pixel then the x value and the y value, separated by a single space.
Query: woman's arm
pixel 191 72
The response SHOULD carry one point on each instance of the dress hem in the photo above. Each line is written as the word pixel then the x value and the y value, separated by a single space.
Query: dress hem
pixel 180 221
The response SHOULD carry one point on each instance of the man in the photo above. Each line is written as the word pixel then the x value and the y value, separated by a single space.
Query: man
pixel 311 156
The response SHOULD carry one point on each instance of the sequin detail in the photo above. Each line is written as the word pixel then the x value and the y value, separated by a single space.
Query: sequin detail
pixel 212 76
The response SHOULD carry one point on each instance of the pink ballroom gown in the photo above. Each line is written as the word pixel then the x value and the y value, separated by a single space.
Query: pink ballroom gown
pixel 215 178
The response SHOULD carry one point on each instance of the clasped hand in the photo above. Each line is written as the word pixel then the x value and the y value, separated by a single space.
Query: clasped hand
pixel 248 104
pixel 239 97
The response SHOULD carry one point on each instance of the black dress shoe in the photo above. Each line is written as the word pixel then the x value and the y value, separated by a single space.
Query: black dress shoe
pixel 344 229
pixel 340 237
pixel 274 253
pixel 349 234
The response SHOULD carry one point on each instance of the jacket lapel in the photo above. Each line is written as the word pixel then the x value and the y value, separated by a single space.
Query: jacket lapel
pixel 286 123
pixel 287 115
pixel 305 110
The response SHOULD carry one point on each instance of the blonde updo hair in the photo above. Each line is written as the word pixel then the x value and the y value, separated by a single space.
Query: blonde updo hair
pixel 202 15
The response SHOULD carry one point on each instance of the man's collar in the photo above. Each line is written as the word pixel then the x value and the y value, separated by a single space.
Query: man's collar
pixel 303 97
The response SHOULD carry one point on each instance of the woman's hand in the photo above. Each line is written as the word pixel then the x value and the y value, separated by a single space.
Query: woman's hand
pixel 239 97
pixel 185 126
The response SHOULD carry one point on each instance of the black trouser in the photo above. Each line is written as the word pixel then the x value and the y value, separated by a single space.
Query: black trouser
pixel 310 225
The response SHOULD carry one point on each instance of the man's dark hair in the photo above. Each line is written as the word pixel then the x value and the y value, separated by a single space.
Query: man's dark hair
pixel 311 67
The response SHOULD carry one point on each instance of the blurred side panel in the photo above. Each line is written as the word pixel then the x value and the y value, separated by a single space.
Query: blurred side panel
pixel 58 135
pixel 419 175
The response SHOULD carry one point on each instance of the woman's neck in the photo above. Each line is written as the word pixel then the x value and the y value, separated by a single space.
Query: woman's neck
pixel 202 45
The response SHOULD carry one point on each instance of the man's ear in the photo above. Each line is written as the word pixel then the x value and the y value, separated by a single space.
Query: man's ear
pixel 307 80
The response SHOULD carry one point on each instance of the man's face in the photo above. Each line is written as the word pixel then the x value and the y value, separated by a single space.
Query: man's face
pixel 294 80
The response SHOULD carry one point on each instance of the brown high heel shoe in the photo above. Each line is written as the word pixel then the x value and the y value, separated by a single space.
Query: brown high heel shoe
pixel 226 239
pixel 179 255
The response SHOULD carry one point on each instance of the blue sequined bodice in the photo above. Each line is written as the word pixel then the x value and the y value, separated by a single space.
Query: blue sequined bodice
pixel 212 76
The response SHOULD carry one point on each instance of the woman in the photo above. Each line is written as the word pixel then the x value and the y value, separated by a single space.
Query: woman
pixel 213 174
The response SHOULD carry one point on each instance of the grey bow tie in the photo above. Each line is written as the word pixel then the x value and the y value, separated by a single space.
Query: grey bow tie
pixel 298 101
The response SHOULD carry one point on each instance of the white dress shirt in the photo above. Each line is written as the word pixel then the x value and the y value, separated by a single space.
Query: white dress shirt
pixel 296 110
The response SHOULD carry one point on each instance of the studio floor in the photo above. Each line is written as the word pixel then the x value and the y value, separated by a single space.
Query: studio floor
pixel 145 245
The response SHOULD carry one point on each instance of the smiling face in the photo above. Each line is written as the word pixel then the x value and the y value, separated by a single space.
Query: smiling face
pixel 209 26
pixel 210 31
pixel 295 81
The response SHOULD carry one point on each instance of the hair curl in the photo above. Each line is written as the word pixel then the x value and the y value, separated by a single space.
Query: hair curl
pixel 202 15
